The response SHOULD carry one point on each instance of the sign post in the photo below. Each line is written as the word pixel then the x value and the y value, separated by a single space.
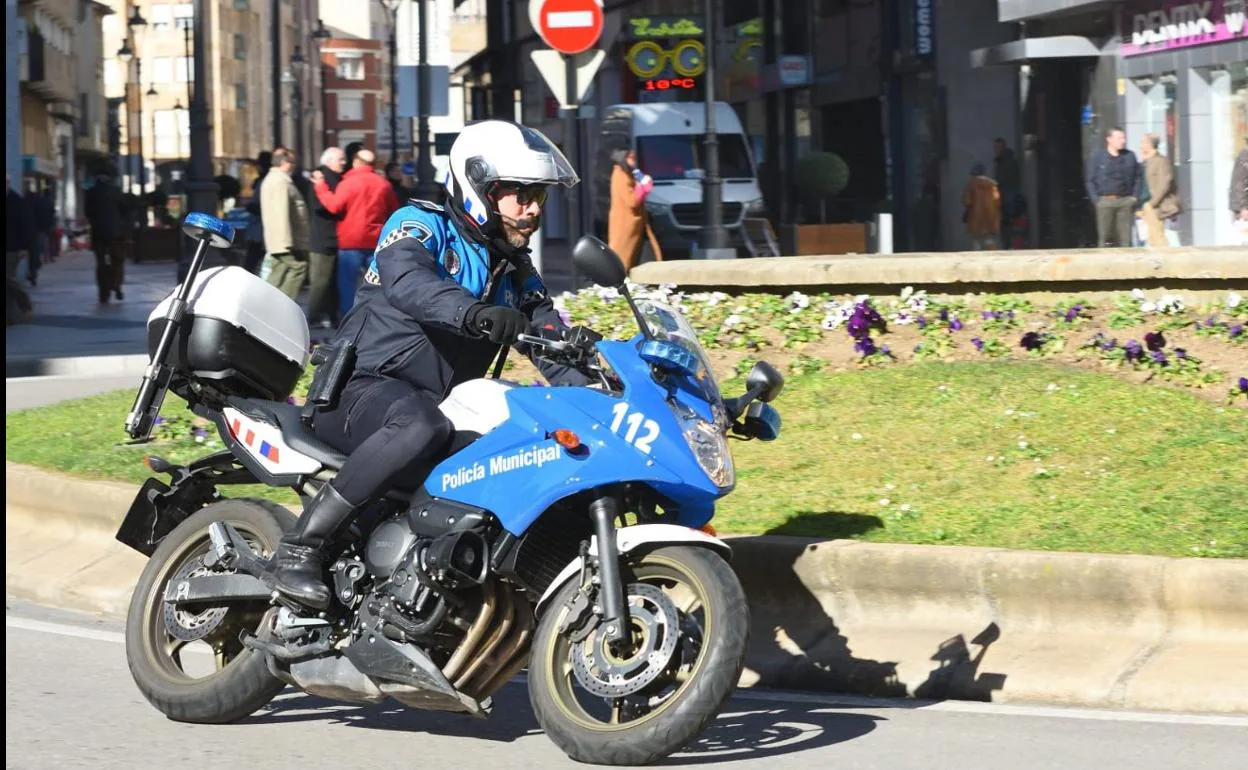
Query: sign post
pixel 570 27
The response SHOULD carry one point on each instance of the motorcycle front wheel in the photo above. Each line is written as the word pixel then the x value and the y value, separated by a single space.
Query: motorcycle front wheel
pixel 638 703
pixel 188 661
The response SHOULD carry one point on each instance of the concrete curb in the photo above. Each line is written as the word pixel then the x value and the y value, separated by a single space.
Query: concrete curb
pixel 985 624
pixel 1084 267
pixel 77 366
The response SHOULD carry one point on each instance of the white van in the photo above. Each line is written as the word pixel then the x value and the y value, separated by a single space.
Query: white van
pixel 668 140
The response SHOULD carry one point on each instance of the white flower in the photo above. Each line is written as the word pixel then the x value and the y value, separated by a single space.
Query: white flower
pixel 1148 307
pixel 1022 445
pixel 942 388
pixel 606 292
pixel 1052 386
pixel 1233 301
pixel 905 506
pixel 797 301
pixel 1041 472
pixel 831 322
pixel 1137 293
pixel 732 320
pixel 884 501
pixel 1009 412
pixel 856 437
pixel 990 459
pixel 1171 304
pixel 903 318
pixel 906 292
pixel 890 487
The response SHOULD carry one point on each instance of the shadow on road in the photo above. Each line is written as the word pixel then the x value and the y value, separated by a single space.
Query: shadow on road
pixel 740 732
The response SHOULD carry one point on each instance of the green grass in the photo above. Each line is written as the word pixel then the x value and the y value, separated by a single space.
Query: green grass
pixel 900 454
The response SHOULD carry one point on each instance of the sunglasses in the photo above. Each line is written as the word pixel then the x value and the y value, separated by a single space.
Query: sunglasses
pixel 525 193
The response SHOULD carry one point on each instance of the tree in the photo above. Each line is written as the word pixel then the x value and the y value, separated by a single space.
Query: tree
pixel 822 175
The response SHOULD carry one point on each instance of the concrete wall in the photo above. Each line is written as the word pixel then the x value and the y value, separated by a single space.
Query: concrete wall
pixel 981 103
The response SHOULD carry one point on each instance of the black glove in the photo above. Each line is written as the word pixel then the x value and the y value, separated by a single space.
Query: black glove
pixel 501 324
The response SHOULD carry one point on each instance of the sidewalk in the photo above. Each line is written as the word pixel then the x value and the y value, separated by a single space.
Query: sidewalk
pixel 69 321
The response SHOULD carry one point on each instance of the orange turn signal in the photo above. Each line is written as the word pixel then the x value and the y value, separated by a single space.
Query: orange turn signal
pixel 567 439
pixel 708 529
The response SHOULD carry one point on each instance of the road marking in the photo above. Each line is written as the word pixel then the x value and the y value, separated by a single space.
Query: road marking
pixel 784 697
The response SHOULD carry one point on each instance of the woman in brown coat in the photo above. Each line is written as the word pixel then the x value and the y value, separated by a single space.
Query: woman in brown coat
pixel 627 219
pixel 1163 202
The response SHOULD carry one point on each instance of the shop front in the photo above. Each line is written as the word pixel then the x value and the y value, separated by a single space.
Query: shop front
pixel 1184 77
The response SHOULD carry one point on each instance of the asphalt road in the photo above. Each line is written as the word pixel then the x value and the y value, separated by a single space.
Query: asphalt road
pixel 70 703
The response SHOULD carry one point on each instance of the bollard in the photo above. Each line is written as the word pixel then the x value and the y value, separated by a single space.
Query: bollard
pixel 883 233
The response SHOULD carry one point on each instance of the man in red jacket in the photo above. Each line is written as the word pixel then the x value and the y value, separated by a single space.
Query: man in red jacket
pixel 365 201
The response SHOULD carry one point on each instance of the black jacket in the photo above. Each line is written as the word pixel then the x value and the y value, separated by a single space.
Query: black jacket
pixel 409 317
pixel 323 226
pixel 19 231
pixel 107 212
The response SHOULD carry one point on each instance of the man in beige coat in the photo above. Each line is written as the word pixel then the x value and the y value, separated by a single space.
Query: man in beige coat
pixel 1163 202
pixel 285 216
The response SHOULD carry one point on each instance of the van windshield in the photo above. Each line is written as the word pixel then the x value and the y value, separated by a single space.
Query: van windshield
pixel 670 156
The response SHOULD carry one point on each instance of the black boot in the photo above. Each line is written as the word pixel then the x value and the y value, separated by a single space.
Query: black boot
pixel 300 571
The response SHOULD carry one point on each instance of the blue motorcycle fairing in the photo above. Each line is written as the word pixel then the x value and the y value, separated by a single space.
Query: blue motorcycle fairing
pixel 517 471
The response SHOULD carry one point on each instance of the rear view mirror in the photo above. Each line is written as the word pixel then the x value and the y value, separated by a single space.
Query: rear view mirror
pixel 764 380
pixel 762 421
pixel 598 262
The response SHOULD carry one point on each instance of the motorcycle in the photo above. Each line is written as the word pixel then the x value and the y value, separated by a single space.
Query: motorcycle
pixel 566 529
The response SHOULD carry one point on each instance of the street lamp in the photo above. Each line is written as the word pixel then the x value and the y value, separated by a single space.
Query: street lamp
pixel 295 72
pixel 714 240
pixel 426 187
pixel 319 36
pixel 393 7
pixel 275 40
pixel 200 187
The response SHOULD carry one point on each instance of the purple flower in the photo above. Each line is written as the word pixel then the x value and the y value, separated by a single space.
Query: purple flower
pixel 1109 344
pixel 989 315
pixel 1135 351
pixel 1073 313
pixel 1236 330
pixel 865 346
pixel 944 314
pixel 1180 354
pixel 1011 315
pixel 1155 341
pixel 1243 384
pixel 978 343
pixel 922 322
pixel 159 420
pixel 1158 357
pixel 199 432
pixel 1032 341
pixel 884 349
pixel 290 400
pixel 1212 322
pixel 956 324
pixel 857 326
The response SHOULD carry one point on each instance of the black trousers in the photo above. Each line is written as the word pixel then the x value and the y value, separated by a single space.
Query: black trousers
pixel 390 430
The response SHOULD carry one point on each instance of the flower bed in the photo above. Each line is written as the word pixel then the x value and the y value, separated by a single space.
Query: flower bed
pixel 1149 338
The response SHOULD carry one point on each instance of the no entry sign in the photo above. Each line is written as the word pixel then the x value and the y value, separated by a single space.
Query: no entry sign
pixel 570 26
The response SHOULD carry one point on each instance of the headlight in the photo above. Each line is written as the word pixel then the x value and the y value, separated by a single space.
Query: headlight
pixel 710 446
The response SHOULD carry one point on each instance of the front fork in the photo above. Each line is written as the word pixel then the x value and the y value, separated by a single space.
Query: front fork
pixel 615 609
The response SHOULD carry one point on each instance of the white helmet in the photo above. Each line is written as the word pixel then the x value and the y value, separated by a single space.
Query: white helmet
pixel 500 151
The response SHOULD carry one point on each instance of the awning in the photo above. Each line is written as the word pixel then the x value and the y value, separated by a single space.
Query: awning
pixel 1020 51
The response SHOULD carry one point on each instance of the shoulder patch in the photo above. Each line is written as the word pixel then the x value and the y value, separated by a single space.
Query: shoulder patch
pixel 393 237
pixel 422 231
pixel 450 260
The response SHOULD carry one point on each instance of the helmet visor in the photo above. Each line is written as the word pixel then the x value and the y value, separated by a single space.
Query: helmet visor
pixel 542 163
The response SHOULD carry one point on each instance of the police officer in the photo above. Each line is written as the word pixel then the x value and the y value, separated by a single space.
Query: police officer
pixel 445 289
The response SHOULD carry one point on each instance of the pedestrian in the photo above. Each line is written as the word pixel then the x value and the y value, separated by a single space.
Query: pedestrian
pixel 1009 178
pixel 981 202
pixel 627 220
pixel 394 173
pixel 351 149
pixel 43 213
pixel 1163 206
pixel 254 261
pixel 1113 179
pixel 323 242
pixel 364 200
pixel 19 239
pixel 285 217
pixel 1239 195
pixel 111 220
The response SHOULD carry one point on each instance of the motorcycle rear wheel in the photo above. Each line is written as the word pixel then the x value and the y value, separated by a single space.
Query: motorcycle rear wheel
pixel 692 687
pixel 241 682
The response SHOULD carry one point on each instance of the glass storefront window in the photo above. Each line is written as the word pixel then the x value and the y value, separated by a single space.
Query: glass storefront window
pixel 1161 100
pixel 1229 90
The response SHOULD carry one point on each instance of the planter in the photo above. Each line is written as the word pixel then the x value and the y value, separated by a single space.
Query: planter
pixel 821 240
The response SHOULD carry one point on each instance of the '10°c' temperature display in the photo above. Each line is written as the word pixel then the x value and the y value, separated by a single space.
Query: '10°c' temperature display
pixel 664 84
